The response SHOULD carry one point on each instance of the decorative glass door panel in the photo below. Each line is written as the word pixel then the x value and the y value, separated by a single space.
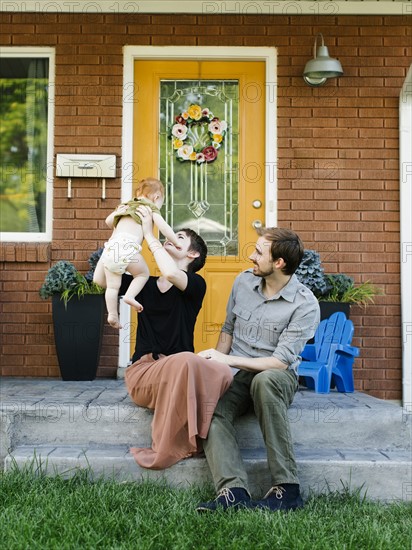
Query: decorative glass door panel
pixel 198 159
pixel 221 194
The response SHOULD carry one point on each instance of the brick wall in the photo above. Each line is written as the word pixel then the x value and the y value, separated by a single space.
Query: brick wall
pixel 338 161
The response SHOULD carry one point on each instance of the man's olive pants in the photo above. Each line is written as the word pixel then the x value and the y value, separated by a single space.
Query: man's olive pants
pixel 270 392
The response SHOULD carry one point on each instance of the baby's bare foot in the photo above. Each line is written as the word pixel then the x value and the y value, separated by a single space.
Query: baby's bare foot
pixel 113 321
pixel 133 303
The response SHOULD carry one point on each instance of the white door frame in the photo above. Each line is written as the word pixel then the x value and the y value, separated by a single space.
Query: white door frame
pixel 212 53
pixel 405 185
pixel 268 55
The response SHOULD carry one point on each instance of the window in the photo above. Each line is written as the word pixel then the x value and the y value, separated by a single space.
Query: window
pixel 202 196
pixel 26 118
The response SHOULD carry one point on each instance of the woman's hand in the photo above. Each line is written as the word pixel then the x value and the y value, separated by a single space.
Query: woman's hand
pixel 146 215
pixel 121 209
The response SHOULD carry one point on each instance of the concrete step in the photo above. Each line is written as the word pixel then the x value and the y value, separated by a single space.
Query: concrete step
pixel 101 413
pixel 341 440
pixel 378 474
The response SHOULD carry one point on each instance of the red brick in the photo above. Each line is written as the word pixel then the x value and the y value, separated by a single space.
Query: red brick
pixel 338 149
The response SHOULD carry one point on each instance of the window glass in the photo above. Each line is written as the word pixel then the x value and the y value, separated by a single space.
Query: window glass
pixel 23 144
pixel 199 134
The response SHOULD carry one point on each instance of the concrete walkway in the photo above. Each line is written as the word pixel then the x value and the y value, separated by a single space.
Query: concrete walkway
pixel 341 440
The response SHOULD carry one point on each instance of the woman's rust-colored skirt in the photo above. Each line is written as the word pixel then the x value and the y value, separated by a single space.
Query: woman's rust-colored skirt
pixel 183 389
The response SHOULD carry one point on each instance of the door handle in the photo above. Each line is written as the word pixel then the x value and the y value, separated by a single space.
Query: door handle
pixel 257 224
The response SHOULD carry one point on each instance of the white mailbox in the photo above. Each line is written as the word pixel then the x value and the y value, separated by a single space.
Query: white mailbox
pixel 85 166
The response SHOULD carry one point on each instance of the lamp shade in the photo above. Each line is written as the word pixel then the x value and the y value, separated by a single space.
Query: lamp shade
pixel 322 66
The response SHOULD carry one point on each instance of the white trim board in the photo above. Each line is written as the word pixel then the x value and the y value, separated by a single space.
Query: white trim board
pixel 230 7
pixel 405 185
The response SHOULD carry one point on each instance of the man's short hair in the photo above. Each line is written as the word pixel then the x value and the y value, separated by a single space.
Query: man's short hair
pixel 197 244
pixel 285 244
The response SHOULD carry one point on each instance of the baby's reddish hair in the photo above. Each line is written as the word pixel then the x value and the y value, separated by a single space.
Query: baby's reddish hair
pixel 149 186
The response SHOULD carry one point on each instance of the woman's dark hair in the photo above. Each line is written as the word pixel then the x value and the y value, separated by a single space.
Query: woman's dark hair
pixel 285 244
pixel 197 244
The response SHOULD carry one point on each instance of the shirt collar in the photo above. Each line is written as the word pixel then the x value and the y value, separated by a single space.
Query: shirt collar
pixel 288 292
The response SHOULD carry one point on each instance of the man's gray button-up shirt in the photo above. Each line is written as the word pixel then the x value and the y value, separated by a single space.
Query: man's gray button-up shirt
pixel 278 326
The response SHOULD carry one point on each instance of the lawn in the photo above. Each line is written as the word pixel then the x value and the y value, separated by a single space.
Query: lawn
pixel 38 512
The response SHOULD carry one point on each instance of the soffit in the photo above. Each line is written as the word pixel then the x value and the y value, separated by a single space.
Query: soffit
pixel 231 7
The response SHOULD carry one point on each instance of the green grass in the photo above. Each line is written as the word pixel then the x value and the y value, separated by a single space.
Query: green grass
pixel 38 512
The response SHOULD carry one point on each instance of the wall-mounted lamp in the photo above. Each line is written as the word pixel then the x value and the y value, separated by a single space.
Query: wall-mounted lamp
pixel 321 67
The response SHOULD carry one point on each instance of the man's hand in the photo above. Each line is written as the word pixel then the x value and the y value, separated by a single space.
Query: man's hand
pixel 215 355
pixel 250 364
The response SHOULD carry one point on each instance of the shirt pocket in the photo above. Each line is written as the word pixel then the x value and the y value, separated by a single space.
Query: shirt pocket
pixel 241 312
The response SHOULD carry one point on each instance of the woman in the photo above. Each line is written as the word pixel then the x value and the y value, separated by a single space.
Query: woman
pixel 181 387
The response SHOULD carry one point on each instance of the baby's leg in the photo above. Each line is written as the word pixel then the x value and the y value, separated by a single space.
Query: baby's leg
pixel 140 272
pixel 99 276
pixel 113 281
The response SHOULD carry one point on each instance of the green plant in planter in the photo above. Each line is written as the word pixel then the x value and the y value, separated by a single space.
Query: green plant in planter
pixel 78 326
pixel 311 273
pixel 342 288
pixel 64 279
pixel 333 287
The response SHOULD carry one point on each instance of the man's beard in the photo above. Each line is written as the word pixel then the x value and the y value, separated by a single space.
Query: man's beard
pixel 263 273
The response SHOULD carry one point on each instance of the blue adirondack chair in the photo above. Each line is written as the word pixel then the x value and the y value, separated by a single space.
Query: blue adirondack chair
pixel 330 358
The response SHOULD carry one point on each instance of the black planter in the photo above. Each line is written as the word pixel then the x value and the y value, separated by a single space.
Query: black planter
pixel 328 308
pixel 78 331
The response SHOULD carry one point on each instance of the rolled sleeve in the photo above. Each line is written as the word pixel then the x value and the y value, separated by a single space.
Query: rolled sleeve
pixel 293 339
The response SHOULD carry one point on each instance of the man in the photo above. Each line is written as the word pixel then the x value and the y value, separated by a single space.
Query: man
pixel 270 317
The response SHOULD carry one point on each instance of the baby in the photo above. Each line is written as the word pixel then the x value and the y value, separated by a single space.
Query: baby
pixel 122 252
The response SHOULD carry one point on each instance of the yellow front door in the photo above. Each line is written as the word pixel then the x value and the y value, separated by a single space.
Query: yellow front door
pixel 222 199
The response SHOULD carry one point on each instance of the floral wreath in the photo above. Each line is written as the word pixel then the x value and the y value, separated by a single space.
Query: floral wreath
pixel 197 135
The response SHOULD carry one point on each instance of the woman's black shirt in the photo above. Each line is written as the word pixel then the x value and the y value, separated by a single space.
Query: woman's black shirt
pixel 166 324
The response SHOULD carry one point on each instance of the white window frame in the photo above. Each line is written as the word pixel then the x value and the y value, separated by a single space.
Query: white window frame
pixel 38 52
